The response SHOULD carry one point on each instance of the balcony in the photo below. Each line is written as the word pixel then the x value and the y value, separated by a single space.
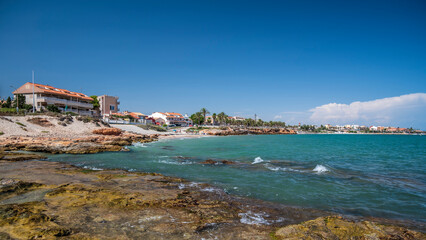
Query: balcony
pixel 80 112
pixel 52 100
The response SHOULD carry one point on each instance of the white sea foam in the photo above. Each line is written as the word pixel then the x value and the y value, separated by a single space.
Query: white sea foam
pixel 175 162
pixel 93 168
pixel 272 168
pixel 252 218
pixel 257 160
pixel 284 169
pixel 209 189
pixel 320 169
pixel 138 144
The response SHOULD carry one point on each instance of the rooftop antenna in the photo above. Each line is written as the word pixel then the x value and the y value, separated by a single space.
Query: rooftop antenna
pixel 33 94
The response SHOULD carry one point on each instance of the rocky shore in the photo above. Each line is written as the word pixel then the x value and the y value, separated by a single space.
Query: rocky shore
pixel 74 135
pixel 47 200
pixel 246 131
pixel 83 145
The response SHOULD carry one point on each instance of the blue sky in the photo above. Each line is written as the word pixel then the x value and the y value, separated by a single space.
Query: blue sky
pixel 280 59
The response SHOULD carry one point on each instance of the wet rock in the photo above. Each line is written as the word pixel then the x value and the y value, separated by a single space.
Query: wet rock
pixel 115 204
pixel 208 161
pixel 338 228
pixel 13 156
pixel 227 162
pixel 213 162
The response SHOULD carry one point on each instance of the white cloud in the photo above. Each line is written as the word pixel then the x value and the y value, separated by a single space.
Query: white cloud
pixel 278 117
pixel 379 111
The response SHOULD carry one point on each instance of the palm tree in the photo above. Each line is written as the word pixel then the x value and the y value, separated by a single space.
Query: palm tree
pixel 214 118
pixel 204 112
pixel 222 117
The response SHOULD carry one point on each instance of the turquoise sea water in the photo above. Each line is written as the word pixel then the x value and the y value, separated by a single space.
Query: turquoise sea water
pixel 366 175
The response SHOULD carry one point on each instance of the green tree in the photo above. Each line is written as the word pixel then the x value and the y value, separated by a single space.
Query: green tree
pixel 95 102
pixel 204 111
pixel 221 117
pixel 20 100
pixel 8 103
pixel 53 108
pixel 197 118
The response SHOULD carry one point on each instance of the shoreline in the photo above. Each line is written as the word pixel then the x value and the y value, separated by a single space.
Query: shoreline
pixel 23 179
pixel 232 216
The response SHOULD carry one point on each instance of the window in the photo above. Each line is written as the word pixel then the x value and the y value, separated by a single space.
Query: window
pixel 111 107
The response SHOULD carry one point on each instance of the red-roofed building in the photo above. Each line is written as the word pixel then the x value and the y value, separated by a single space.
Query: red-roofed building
pixel 171 118
pixel 65 100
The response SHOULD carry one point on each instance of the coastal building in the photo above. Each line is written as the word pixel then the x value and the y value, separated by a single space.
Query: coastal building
pixel 108 105
pixel 139 117
pixel 237 118
pixel 209 120
pixel 373 128
pixel 171 118
pixel 65 100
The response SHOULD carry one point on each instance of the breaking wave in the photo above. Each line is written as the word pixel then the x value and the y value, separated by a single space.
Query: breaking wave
pixel 175 163
pixel 320 169
pixel 257 160
pixel 284 169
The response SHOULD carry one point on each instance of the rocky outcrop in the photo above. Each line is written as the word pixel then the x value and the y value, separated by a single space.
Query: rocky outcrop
pixel 47 200
pixel 89 144
pixel 40 121
pixel 108 131
pixel 335 227
pixel 19 156
pixel 245 131
pixel 213 162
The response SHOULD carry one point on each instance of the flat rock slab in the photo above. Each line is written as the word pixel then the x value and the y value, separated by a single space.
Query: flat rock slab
pixel 33 196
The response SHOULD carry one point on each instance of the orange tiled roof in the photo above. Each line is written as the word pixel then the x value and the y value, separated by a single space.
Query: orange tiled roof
pixel 40 88
pixel 172 113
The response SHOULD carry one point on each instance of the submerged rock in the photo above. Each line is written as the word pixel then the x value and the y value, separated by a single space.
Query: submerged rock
pixel 208 161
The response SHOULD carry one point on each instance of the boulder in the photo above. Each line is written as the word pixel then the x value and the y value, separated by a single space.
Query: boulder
pixel 108 131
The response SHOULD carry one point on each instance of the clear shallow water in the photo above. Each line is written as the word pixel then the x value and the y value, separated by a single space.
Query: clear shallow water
pixel 367 175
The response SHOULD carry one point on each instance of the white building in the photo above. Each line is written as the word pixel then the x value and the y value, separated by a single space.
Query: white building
pixel 373 128
pixel 171 118
pixel 66 101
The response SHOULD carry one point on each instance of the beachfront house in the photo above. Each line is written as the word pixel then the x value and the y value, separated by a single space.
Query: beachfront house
pixel 139 117
pixel 108 105
pixel 65 100
pixel 169 118
pixel 237 118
